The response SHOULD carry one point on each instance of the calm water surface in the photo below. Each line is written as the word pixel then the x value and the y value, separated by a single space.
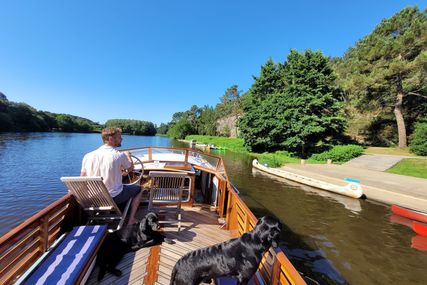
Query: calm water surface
pixel 333 239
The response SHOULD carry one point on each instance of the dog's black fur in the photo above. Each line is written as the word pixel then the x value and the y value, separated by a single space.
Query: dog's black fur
pixel 238 258
pixel 130 238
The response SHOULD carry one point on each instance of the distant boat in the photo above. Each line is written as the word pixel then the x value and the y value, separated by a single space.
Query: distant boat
pixel 214 147
pixel 409 213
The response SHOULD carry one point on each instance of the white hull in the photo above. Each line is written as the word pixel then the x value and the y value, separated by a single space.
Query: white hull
pixel 352 189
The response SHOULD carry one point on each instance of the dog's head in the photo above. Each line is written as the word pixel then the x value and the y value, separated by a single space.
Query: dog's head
pixel 268 230
pixel 149 223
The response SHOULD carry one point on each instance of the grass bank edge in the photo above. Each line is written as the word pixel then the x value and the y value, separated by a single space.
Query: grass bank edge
pixel 416 167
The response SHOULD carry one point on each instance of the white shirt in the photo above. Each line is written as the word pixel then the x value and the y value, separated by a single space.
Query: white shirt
pixel 107 162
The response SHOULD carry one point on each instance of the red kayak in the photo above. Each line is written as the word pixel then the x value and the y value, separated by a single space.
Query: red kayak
pixel 420 228
pixel 410 214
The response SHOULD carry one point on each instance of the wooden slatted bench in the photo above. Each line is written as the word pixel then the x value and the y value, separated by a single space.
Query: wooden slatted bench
pixel 71 261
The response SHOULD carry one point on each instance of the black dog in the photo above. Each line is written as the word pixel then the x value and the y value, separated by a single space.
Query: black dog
pixel 238 258
pixel 131 238
pixel 145 233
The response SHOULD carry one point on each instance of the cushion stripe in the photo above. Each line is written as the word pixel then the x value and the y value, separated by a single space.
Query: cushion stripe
pixel 68 259
pixel 76 261
pixel 57 261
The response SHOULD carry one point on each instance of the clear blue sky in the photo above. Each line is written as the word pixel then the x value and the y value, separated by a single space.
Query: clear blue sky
pixel 146 60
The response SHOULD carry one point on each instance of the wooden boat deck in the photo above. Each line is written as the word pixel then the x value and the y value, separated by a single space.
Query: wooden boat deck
pixel 199 228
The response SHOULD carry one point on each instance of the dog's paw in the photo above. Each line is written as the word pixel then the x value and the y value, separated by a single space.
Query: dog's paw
pixel 168 241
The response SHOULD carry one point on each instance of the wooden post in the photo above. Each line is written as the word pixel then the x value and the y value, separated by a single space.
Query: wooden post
pixel 44 228
pixel 275 274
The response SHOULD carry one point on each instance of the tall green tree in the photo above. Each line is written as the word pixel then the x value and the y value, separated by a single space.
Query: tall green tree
pixel 181 129
pixel 229 104
pixel 301 112
pixel 388 66
pixel 207 121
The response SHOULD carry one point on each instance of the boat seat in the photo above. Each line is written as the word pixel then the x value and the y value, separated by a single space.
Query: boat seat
pixel 93 196
pixel 72 260
pixel 167 188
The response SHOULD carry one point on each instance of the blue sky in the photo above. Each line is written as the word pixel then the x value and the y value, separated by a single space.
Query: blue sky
pixel 146 60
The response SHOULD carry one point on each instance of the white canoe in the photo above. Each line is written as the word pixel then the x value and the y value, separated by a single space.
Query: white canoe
pixel 351 189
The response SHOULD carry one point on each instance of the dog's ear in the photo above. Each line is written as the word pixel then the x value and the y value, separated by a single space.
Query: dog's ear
pixel 143 225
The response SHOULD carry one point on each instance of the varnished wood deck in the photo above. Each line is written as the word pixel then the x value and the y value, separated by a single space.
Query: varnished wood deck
pixel 199 228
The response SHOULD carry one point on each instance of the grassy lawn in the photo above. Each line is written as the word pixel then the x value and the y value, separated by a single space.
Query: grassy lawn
pixel 233 144
pixel 276 159
pixel 411 167
pixel 388 150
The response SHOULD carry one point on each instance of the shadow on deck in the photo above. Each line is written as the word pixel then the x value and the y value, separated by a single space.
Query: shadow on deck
pixel 153 265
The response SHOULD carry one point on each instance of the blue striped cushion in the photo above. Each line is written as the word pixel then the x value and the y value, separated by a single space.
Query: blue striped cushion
pixel 65 263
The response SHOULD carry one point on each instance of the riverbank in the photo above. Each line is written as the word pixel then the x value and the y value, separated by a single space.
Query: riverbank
pixel 402 161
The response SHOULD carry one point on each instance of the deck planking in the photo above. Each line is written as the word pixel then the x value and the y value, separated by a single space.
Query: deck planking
pixel 199 228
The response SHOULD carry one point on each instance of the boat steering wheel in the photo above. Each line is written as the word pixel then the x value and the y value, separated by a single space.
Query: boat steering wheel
pixel 134 176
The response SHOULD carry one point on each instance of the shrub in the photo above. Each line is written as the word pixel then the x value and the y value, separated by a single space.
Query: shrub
pixel 276 159
pixel 419 139
pixel 339 153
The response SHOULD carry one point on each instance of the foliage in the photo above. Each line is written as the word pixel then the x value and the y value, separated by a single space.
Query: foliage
pixel 207 121
pixel 133 127
pixel 302 110
pixel 233 144
pixel 181 129
pixel 276 159
pixel 21 117
pixel 387 66
pixel 229 103
pixel 340 153
pixel 162 129
pixel 419 139
pixel 410 167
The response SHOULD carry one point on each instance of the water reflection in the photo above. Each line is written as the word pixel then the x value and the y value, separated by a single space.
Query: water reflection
pixel 333 240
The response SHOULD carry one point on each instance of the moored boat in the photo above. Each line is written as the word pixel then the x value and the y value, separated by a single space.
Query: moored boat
pixel 419 228
pixel 213 212
pixel 409 213
pixel 352 187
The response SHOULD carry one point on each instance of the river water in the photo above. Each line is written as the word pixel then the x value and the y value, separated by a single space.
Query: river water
pixel 330 238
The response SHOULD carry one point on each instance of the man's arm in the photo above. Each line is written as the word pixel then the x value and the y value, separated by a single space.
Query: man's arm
pixel 128 156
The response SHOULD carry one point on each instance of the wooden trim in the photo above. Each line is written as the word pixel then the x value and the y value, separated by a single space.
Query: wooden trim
pixel 152 265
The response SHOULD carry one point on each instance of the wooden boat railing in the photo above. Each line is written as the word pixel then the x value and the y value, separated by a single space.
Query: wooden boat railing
pixel 22 246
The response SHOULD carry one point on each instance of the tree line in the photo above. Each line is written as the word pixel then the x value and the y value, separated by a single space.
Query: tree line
pixel 21 117
pixel 375 94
